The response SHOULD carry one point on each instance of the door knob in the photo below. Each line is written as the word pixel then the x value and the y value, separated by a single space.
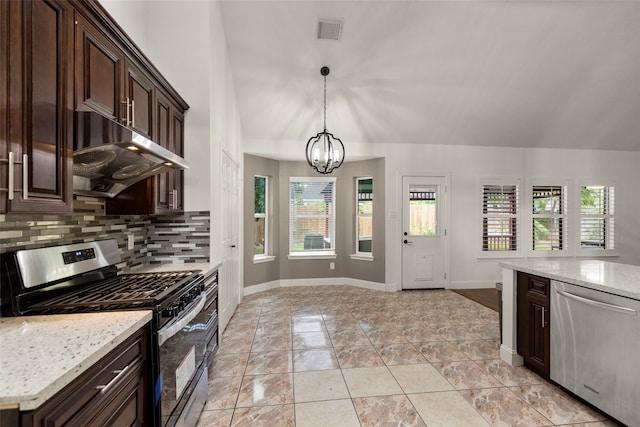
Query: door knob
pixel 405 233
pixel 405 241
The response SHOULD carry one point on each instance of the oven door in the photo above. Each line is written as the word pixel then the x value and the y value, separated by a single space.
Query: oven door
pixel 181 354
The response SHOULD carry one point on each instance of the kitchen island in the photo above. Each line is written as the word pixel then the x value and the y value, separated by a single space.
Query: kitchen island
pixel 578 324
pixel 40 355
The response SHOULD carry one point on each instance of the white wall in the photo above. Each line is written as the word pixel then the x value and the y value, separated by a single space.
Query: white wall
pixel 466 164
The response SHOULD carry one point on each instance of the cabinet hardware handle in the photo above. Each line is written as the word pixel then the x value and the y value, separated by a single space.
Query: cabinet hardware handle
pixel 618 308
pixel 127 117
pixel 25 176
pixel 543 317
pixel 133 113
pixel 119 373
pixel 11 183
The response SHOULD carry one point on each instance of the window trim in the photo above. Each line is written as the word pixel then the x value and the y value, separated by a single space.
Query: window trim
pixel 315 254
pixel 507 180
pixel 266 256
pixel 567 240
pixel 358 255
pixel 594 253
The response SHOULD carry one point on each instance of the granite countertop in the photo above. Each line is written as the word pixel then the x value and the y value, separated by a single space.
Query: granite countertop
pixel 205 267
pixel 611 277
pixel 39 355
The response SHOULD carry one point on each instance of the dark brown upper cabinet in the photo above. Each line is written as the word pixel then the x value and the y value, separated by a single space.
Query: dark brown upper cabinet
pixel 138 92
pixel 60 56
pixel 99 68
pixel 110 83
pixel 36 136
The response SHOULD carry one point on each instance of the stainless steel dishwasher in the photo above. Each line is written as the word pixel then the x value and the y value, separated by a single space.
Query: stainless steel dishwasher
pixel 595 348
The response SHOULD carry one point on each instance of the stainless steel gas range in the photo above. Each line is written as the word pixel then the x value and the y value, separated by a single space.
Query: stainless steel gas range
pixel 83 277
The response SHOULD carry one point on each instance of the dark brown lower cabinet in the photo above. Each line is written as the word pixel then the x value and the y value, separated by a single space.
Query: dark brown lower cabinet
pixel 113 392
pixel 533 322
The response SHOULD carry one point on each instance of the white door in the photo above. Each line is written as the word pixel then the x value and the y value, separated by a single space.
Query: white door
pixel 229 286
pixel 424 232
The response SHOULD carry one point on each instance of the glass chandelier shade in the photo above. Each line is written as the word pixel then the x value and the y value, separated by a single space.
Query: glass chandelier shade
pixel 324 151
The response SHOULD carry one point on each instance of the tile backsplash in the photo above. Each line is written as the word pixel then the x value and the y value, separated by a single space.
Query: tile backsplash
pixel 181 238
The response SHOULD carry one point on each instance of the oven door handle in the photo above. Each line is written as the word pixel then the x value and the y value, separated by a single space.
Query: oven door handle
pixel 170 330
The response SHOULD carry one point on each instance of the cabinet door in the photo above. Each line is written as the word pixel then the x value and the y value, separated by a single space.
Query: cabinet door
pixel 40 106
pixel 538 348
pixel 533 322
pixel 178 148
pixel 163 138
pixel 139 93
pixel 99 65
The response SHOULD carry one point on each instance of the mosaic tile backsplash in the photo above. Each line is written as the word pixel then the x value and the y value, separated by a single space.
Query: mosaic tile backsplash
pixel 182 238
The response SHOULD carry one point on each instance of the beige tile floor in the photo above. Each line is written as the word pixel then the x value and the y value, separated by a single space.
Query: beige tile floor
pixel 340 356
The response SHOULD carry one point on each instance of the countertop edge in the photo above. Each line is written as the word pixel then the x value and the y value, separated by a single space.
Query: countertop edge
pixel 33 401
pixel 571 280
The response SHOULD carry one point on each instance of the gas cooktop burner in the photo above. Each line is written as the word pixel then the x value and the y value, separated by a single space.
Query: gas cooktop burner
pixel 131 289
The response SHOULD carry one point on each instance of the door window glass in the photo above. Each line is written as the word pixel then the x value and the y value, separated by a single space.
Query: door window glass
pixel 423 212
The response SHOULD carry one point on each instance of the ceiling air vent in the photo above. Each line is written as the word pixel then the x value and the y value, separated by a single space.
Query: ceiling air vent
pixel 329 29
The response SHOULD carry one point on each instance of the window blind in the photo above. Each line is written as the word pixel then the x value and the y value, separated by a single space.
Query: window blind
pixel 597 217
pixel 500 207
pixel 549 217
pixel 312 215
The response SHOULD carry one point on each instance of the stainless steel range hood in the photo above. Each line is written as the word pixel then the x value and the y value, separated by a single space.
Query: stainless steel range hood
pixel 109 157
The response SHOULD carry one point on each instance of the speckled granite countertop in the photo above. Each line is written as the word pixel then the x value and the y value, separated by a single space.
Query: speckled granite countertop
pixel 611 277
pixel 205 267
pixel 39 355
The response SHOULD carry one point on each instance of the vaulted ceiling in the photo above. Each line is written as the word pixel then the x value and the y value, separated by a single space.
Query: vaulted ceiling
pixel 512 73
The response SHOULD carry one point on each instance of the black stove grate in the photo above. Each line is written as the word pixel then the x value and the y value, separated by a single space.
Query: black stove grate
pixel 143 290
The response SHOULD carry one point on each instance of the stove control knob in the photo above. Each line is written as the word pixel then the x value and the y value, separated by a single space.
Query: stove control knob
pixel 169 311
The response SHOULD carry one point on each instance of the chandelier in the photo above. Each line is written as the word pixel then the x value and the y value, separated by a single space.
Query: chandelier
pixel 324 151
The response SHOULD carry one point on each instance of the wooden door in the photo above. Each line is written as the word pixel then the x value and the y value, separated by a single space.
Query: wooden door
pixel 40 106
pixel 138 97
pixel 162 137
pixel 533 322
pixel 99 64
pixel 538 348
pixel 177 145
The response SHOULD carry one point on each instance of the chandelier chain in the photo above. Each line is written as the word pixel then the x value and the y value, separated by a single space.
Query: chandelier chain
pixel 325 102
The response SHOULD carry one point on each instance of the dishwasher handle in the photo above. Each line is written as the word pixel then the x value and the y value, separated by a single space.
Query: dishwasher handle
pixel 618 308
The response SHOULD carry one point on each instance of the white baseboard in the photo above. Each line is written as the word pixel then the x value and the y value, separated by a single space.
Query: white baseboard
pixel 249 290
pixel 510 356
pixel 333 281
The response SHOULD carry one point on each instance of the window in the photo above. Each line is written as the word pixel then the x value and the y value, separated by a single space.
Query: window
pixel 597 219
pixel 364 216
pixel 423 211
pixel 500 216
pixel 260 214
pixel 312 216
pixel 549 217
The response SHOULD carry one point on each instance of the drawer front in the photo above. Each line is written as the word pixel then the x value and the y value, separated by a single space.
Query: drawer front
pixel 73 399
pixel 536 286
